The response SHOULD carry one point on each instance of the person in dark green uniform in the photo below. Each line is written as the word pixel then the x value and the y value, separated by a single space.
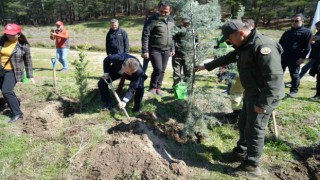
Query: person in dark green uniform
pixel 259 63
pixel 179 59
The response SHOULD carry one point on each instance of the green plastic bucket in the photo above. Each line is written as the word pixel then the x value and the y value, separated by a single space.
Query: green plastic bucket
pixel 180 90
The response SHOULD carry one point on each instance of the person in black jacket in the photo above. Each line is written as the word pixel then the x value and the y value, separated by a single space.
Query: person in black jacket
pixel 296 46
pixel 157 43
pixel 127 66
pixel 315 56
pixel 117 42
pixel 117 39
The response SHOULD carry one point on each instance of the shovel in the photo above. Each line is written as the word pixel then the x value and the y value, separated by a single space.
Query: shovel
pixel 116 95
pixel 53 61
pixel 276 135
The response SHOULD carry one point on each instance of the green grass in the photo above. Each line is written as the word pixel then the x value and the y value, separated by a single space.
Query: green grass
pixel 274 34
pixel 12 150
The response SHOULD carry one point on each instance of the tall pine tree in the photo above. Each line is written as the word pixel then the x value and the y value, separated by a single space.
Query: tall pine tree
pixel 204 21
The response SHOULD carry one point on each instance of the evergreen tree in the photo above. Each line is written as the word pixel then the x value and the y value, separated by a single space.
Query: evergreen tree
pixel 81 74
pixel 204 20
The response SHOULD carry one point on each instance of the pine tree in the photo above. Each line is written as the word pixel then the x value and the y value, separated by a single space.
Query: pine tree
pixel 204 19
pixel 81 74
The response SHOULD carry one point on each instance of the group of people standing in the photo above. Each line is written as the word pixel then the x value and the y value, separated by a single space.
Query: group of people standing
pixel 158 45
pixel 261 63
pixel 16 62
pixel 299 44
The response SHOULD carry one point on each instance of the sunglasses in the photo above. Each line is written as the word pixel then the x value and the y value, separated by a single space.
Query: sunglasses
pixel 295 21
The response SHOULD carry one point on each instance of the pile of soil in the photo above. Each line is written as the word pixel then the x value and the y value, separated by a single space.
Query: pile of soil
pixel 137 150
pixel 42 119
pixel 131 151
pixel 306 165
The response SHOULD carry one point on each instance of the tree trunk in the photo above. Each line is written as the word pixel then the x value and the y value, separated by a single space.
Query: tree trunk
pixel 60 12
pixel 141 7
pixel 128 7
pixel 114 9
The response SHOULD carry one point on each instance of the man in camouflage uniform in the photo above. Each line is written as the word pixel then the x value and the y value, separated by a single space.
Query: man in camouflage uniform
pixel 259 63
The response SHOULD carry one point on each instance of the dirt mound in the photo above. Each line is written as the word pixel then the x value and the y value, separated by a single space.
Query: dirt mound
pixel 131 151
pixel 43 119
pixel 171 128
pixel 293 170
pixel 310 156
pixel 305 166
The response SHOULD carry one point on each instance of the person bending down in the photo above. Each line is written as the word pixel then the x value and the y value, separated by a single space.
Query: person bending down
pixel 127 66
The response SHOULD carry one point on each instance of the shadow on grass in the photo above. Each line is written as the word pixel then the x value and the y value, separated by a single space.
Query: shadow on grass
pixel 308 99
pixel 70 106
pixel 69 72
pixel 42 69
pixel 167 107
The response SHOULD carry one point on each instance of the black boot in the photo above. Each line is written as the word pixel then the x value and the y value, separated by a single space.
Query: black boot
pixel 245 170
pixel 15 118
pixel 234 156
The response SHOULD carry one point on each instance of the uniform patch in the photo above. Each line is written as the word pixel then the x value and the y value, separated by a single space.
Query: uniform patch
pixel 265 50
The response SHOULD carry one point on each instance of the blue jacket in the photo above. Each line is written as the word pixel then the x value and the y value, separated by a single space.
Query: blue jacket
pixel 295 44
pixel 113 64
pixel 117 41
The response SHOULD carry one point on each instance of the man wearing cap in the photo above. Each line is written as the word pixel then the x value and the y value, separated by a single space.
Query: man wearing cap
pixel 259 63
pixel 61 35
pixel 296 46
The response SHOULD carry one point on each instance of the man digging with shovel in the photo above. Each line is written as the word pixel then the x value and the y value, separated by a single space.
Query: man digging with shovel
pixel 127 66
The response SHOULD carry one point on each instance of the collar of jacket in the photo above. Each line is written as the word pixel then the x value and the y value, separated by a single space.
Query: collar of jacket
pixel 111 30
pixel 250 40
pixel 293 29
pixel 159 17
